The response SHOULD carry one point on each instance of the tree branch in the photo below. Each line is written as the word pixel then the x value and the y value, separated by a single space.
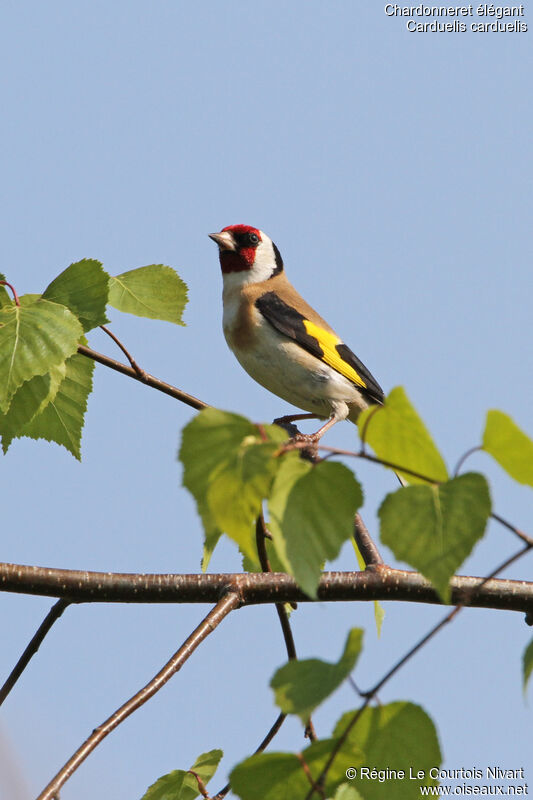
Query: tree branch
pixel 257 588
pixel 138 370
pixel 264 744
pixel 224 606
pixel 34 644
pixel 365 543
pixel 260 536
pixel 145 378
pixel 283 616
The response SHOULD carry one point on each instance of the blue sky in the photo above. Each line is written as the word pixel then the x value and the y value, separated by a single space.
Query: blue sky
pixel 394 172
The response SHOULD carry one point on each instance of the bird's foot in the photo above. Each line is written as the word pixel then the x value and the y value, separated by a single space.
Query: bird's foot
pixel 306 438
pixel 306 443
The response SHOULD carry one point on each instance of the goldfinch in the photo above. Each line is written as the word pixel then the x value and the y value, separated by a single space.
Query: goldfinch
pixel 280 340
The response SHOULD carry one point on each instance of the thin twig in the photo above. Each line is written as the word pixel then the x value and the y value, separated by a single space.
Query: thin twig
pixel 32 647
pixel 225 605
pixel 463 458
pixel 260 536
pixel 467 600
pixel 315 785
pixel 149 380
pixel 396 467
pixel 365 543
pixel 140 372
pixel 302 445
pixel 264 744
pixel 509 525
pixel 287 631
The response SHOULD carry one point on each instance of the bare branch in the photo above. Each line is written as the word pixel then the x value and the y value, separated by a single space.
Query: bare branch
pixel 260 536
pixel 510 527
pixel 283 616
pixel 224 606
pixel 463 458
pixel 315 786
pixel 34 644
pixel 264 744
pixel 365 543
pixel 257 588
pixel 140 372
pixel 147 379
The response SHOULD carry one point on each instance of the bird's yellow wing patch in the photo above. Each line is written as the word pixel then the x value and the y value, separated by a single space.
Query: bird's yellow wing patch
pixel 329 345
pixel 322 344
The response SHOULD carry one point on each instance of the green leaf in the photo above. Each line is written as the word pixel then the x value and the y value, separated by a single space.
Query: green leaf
pixel 379 611
pixel 238 487
pixel 212 535
pixel 83 287
pixel 156 292
pixel 205 442
pixel 28 401
pixel 62 419
pixel 311 509
pixel 397 736
pixel 509 446
pixel 180 784
pixel 379 616
pixel 280 776
pixel 228 469
pixel 347 792
pixel 434 528
pixel 300 686
pixel 397 434
pixel 34 337
pixel 527 665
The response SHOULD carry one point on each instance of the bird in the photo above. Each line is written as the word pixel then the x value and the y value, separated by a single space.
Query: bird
pixel 281 341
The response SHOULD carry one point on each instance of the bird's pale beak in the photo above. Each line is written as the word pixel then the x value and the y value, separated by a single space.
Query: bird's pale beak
pixel 224 239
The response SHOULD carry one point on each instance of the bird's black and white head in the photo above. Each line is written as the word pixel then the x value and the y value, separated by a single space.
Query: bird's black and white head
pixel 247 255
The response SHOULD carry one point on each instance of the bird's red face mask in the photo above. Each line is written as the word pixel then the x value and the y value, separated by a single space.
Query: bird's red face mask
pixel 237 245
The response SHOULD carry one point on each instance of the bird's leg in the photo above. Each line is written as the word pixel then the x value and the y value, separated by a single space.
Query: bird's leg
pixel 308 442
pixel 313 438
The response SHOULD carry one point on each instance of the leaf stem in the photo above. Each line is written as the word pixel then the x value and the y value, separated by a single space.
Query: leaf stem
pixel 15 295
pixel 463 458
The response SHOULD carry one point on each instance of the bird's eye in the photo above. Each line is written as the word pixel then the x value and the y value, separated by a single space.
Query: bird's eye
pixel 253 238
